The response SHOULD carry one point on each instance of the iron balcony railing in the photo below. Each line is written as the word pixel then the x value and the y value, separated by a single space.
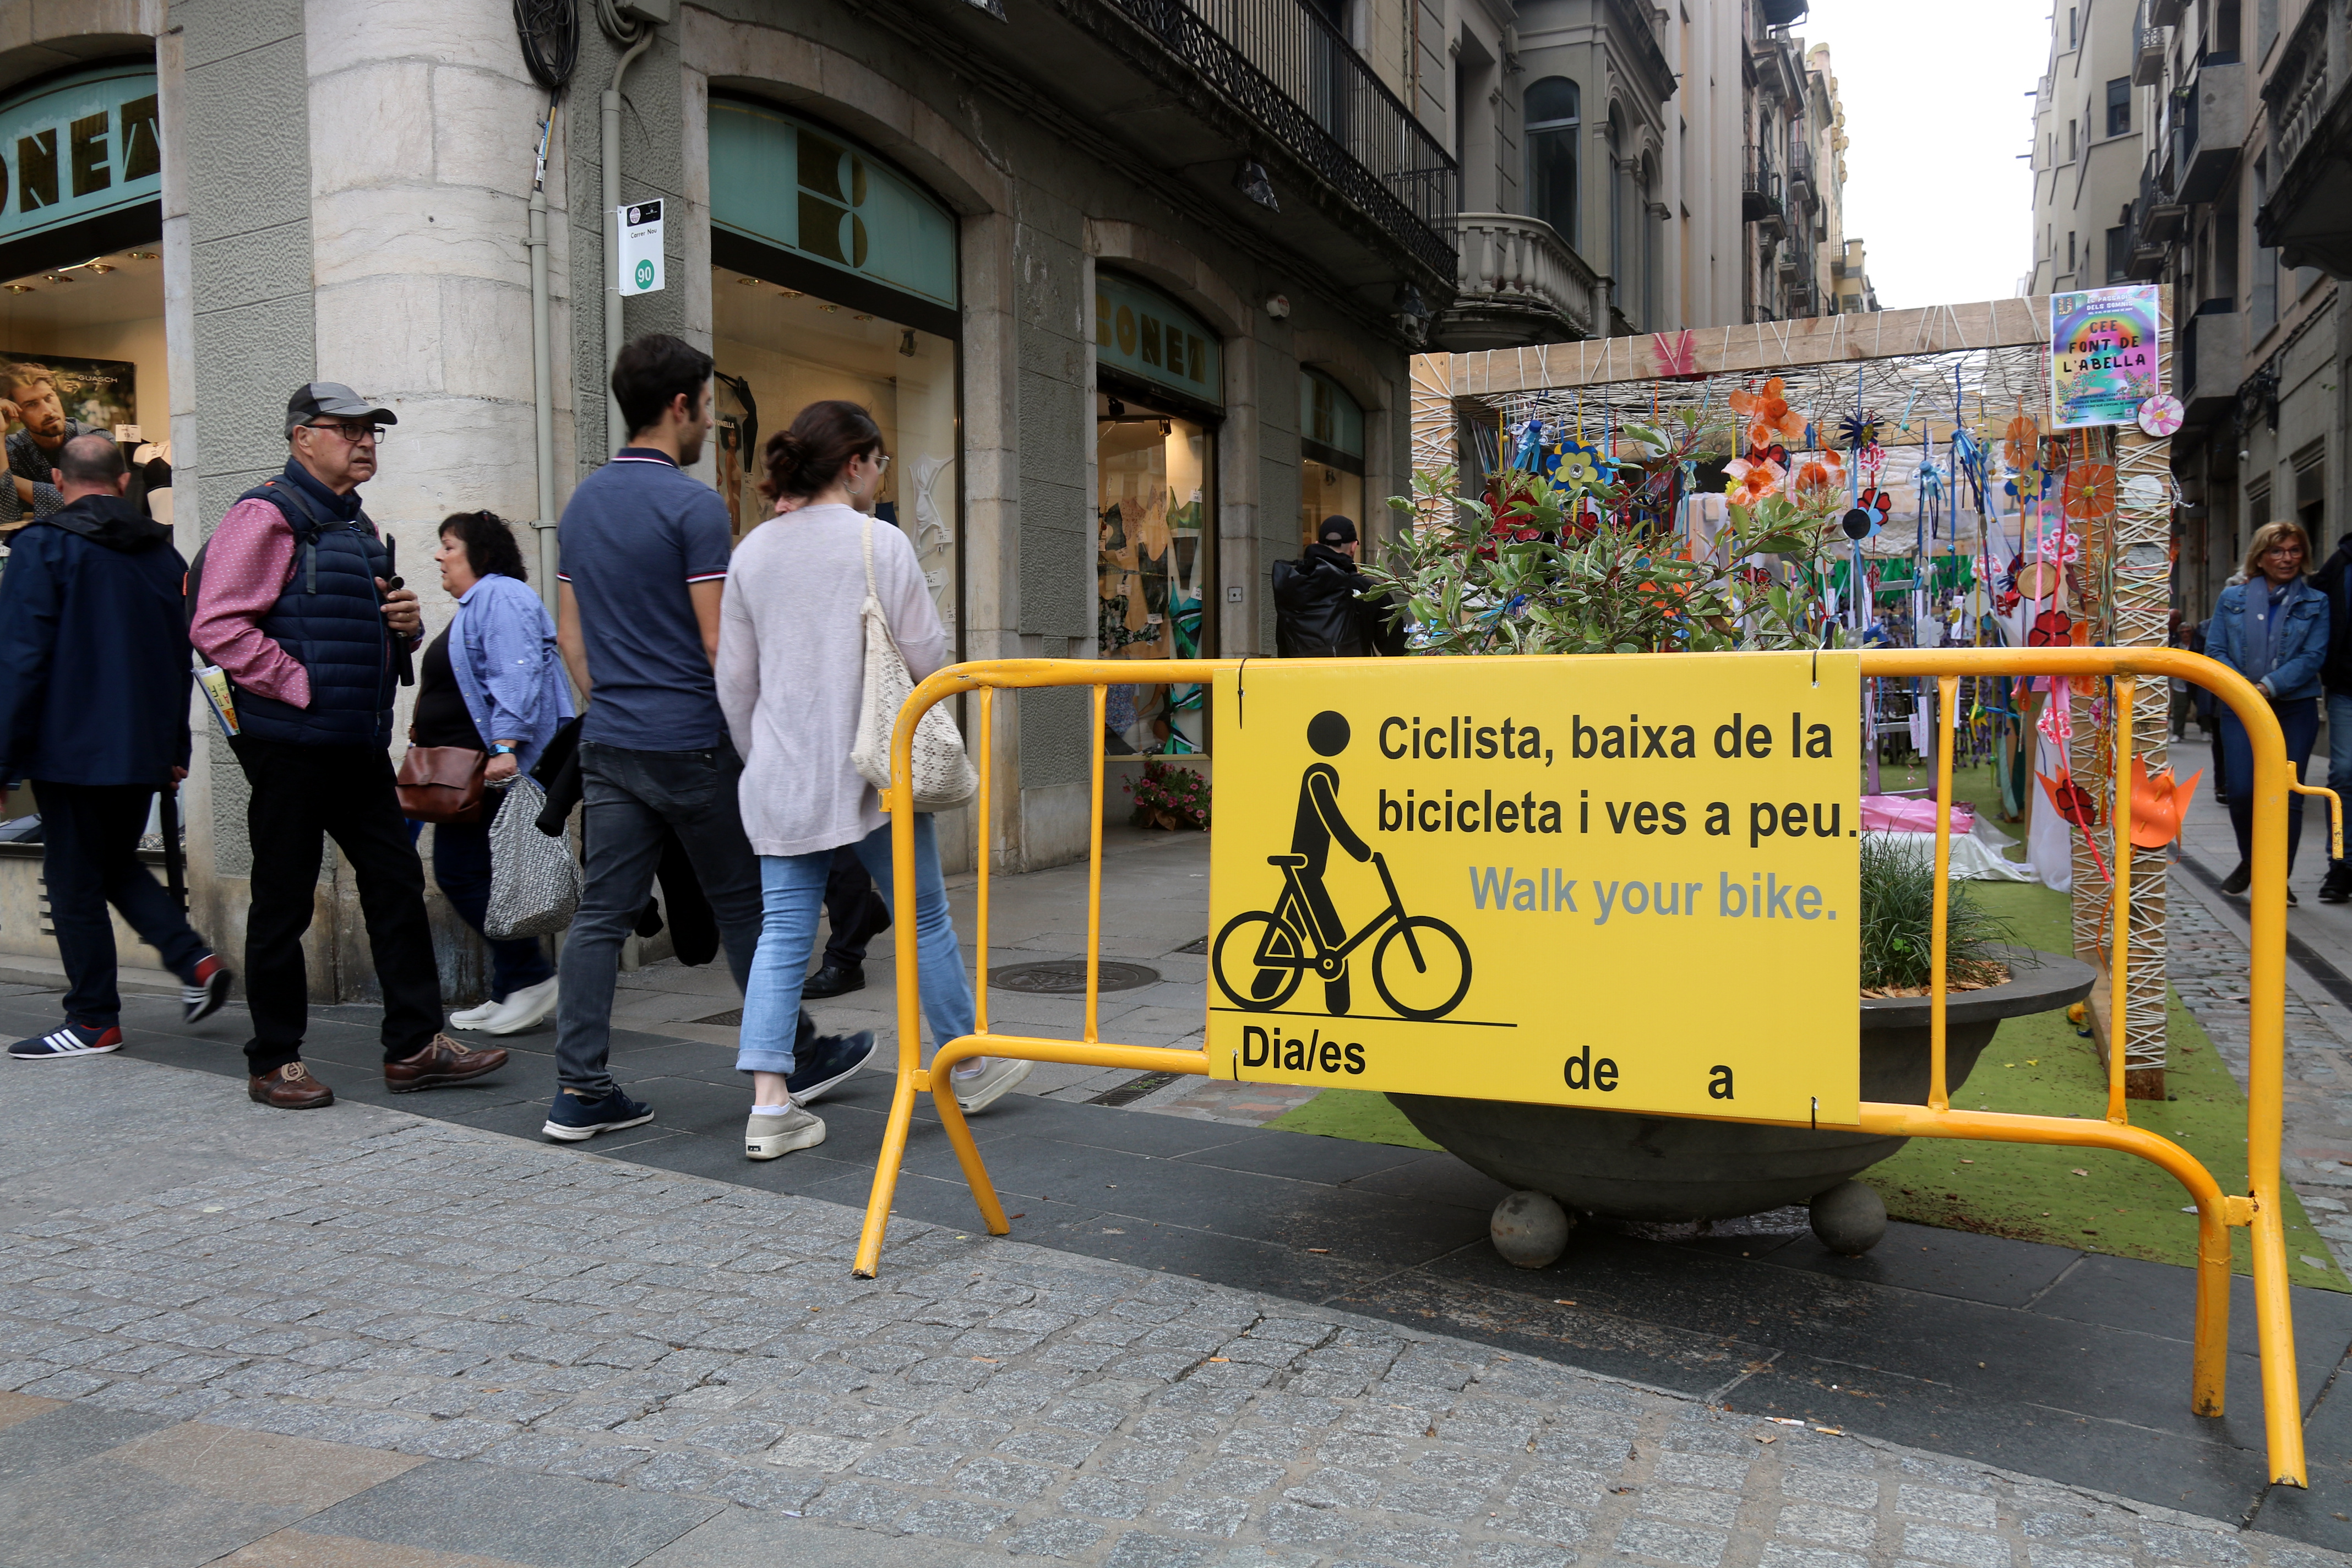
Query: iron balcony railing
pixel 1293 73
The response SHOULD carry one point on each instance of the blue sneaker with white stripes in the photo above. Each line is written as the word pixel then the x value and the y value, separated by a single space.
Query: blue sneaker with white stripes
pixel 73 1040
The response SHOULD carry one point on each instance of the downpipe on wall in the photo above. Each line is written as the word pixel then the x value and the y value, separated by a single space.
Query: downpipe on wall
pixel 542 368
pixel 611 159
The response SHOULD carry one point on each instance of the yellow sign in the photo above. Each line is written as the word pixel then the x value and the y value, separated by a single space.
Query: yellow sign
pixel 1624 882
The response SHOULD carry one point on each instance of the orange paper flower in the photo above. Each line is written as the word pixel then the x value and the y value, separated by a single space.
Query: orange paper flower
pixel 1751 481
pixel 1816 475
pixel 1770 417
pixel 2023 438
pixel 2090 491
pixel 2157 805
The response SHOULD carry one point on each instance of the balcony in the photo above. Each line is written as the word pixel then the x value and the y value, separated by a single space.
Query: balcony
pixel 1518 284
pixel 2212 354
pixel 1804 193
pixel 1759 197
pixel 1191 91
pixel 2212 129
pixel 2309 213
pixel 2158 217
pixel 2148 59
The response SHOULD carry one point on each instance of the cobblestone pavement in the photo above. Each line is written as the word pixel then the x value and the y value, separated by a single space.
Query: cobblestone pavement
pixel 2207 961
pixel 668 1357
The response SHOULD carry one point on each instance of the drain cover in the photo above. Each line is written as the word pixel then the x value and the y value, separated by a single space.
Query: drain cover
pixel 1067 977
pixel 731 1018
pixel 1199 946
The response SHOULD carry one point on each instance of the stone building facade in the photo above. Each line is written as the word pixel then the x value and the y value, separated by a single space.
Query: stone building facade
pixel 1131 319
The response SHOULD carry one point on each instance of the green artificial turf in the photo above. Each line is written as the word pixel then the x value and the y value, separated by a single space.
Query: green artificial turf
pixel 1355 1113
pixel 2119 1203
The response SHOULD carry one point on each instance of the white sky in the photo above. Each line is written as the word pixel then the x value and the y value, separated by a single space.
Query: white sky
pixel 1936 111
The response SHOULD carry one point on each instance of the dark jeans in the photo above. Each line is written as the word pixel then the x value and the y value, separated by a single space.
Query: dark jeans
pixel 854 910
pixel 631 798
pixel 461 864
pixel 2300 720
pixel 90 858
pixel 301 795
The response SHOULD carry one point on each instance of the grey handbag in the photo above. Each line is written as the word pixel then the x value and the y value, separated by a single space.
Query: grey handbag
pixel 534 880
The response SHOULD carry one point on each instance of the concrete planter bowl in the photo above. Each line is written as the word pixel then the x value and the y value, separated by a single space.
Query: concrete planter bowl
pixel 1636 1167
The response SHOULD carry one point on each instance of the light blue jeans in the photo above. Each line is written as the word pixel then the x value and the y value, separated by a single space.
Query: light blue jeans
pixel 792 891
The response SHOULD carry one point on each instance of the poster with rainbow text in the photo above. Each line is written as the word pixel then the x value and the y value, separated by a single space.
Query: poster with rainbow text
pixel 2102 355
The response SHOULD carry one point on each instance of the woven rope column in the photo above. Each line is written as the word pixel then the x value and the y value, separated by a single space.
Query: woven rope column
pixel 1435 426
pixel 2142 599
pixel 2126 571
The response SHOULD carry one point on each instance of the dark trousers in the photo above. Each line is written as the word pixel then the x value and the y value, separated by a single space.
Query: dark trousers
pixel 301 795
pixel 2300 721
pixel 461 864
pixel 854 910
pixel 90 858
pixel 633 801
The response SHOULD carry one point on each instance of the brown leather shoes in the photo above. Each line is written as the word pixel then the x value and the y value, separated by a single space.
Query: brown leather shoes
pixel 289 1087
pixel 444 1061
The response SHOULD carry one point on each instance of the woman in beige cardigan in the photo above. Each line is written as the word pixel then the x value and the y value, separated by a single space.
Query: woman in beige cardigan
pixel 792 662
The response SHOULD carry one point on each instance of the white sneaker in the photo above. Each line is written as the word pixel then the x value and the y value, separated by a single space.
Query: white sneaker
pixel 523 1009
pixel 994 1081
pixel 475 1018
pixel 767 1137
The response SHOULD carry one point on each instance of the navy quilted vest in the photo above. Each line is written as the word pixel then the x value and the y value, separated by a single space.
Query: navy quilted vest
pixel 330 619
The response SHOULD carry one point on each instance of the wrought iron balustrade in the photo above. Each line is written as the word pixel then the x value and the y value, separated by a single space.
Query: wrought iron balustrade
pixel 1293 73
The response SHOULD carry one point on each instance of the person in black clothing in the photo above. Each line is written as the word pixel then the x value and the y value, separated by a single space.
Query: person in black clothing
pixel 94 681
pixel 854 915
pixel 1325 608
pixel 2334 579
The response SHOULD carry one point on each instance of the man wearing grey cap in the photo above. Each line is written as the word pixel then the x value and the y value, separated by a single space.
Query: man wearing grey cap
pixel 295 599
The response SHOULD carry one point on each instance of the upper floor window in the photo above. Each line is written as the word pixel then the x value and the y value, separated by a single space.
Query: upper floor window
pixel 2119 106
pixel 1554 121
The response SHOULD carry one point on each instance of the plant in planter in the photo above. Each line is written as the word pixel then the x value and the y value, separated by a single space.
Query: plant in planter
pixel 1898 914
pixel 1170 797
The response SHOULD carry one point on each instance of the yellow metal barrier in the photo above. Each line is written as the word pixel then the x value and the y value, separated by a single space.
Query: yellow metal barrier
pixel 2260 1209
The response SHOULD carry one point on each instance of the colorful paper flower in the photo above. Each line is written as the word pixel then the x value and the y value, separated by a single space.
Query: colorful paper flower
pixel 1768 415
pixel 1751 481
pixel 2090 491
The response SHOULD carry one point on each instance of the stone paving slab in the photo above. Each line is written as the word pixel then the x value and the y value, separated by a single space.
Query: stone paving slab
pixel 428 1345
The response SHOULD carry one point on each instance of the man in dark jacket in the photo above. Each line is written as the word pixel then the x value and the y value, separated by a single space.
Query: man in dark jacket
pixel 296 600
pixel 94 711
pixel 1325 608
pixel 2335 580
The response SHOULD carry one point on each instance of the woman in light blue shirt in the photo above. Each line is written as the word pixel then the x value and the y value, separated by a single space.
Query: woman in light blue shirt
pixel 492 682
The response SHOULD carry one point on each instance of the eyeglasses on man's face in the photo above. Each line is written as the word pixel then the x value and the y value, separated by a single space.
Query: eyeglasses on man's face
pixel 354 434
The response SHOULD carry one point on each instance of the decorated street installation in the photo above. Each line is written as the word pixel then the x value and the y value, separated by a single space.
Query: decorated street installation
pixel 1984 475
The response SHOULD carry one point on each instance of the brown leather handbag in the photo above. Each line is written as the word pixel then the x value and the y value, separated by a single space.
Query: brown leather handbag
pixel 441 783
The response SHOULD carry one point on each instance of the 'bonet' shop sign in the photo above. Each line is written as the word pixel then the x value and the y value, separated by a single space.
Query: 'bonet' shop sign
pixel 79 148
pixel 1628 883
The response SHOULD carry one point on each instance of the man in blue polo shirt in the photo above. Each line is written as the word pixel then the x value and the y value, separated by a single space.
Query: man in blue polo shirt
pixel 645 549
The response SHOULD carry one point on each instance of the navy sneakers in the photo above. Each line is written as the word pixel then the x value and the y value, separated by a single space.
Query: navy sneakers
pixel 573 1119
pixel 73 1040
pixel 832 1058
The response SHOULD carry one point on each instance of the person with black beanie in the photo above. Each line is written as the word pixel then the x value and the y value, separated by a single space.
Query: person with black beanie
pixel 1325 608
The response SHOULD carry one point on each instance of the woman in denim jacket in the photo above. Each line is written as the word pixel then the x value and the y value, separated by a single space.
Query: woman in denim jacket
pixel 2271 627
pixel 492 682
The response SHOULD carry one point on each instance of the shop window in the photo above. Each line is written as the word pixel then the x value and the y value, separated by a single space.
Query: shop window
pixel 838 282
pixel 1155 560
pixel 1331 456
pixel 1553 124
pixel 1159 371
pixel 843 207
